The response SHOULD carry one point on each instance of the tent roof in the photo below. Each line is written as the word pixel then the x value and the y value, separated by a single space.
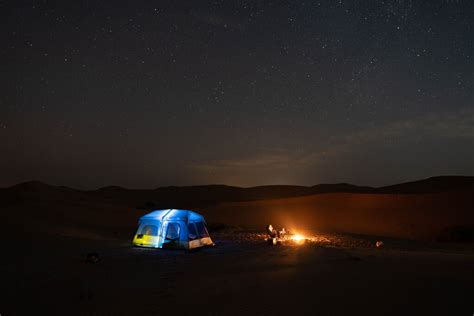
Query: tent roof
pixel 173 214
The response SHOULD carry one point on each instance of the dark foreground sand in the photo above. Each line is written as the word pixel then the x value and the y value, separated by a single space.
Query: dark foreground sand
pixel 337 275
pixel 46 233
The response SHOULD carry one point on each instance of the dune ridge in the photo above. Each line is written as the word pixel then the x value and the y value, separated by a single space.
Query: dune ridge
pixel 419 209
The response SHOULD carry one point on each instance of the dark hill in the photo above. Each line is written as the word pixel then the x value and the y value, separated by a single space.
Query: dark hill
pixel 189 196
pixel 340 188
pixel 33 186
pixel 430 185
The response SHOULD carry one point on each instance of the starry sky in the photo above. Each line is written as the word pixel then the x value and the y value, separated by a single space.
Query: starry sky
pixel 151 93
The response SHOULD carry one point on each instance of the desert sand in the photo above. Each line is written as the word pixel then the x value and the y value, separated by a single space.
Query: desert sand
pixel 48 231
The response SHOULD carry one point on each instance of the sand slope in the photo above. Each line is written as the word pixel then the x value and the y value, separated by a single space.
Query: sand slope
pixel 114 211
pixel 47 232
pixel 409 216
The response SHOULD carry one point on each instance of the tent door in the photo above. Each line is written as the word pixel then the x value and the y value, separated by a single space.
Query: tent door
pixel 171 234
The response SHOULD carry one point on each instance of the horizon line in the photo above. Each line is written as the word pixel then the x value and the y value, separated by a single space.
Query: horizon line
pixel 232 186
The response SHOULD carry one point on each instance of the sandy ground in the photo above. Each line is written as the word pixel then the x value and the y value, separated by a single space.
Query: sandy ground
pixel 333 275
pixel 45 235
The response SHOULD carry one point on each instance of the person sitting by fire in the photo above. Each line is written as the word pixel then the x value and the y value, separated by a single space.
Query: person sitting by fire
pixel 272 232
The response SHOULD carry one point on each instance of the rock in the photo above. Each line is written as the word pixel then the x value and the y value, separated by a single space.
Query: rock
pixel 92 257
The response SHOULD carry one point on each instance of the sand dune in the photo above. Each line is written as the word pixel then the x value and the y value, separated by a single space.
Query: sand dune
pixel 408 216
pixel 338 207
pixel 47 232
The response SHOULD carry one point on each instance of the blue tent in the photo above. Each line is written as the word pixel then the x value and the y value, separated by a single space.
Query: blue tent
pixel 181 229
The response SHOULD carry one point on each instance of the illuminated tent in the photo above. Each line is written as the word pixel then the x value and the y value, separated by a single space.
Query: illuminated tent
pixel 172 228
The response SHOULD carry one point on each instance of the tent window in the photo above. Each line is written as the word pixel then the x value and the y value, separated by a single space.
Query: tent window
pixel 192 232
pixel 150 230
pixel 202 230
pixel 173 231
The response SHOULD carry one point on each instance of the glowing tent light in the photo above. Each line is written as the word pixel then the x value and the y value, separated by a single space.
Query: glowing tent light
pixel 172 228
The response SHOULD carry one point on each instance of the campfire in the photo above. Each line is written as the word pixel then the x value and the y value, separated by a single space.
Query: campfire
pixel 298 238
pixel 284 236
pixel 291 237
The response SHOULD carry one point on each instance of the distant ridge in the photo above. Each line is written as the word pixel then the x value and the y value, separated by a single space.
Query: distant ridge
pixel 204 194
pixel 110 188
pixel 33 185
pixel 341 188
pixel 38 186
pixel 430 185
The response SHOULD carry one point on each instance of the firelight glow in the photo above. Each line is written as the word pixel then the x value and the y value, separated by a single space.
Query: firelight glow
pixel 297 237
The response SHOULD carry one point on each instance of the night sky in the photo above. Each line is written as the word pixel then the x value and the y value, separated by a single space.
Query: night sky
pixel 150 93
